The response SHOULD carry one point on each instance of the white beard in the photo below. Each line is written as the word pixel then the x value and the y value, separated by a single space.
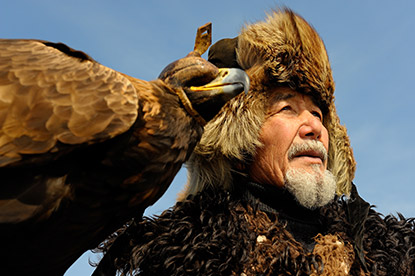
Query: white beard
pixel 311 190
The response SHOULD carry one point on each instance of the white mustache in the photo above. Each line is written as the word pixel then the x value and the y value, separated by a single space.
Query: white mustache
pixel 308 145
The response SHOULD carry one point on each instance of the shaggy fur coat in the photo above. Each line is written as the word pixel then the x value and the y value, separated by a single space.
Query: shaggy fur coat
pixel 220 233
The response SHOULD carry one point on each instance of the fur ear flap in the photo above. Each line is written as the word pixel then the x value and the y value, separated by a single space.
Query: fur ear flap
pixel 231 137
pixel 341 161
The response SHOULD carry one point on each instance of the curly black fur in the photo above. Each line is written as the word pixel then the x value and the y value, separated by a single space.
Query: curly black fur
pixel 214 233
pixel 390 244
pixel 194 238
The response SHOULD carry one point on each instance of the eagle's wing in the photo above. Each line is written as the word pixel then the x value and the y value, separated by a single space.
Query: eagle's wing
pixel 50 93
pixel 59 196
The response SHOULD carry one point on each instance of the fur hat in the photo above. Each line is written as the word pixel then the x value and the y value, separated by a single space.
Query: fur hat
pixel 283 50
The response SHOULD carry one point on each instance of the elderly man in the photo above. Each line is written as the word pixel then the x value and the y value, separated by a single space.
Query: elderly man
pixel 265 182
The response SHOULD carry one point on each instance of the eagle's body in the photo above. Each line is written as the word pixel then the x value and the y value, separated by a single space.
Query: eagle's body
pixel 83 149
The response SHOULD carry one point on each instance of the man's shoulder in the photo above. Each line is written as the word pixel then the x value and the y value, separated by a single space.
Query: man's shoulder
pixel 388 242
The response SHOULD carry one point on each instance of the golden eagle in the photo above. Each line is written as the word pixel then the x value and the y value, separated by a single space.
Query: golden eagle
pixel 83 148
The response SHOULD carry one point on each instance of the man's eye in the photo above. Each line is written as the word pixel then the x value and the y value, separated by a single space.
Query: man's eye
pixel 278 110
pixel 318 115
pixel 287 107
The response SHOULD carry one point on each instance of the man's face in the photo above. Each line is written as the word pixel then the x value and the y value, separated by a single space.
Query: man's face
pixel 292 120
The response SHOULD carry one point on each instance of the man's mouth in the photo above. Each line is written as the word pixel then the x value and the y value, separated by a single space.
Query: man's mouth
pixel 312 154
pixel 310 151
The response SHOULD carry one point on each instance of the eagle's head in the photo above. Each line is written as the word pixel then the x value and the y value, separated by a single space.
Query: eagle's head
pixel 202 87
pixel 207 87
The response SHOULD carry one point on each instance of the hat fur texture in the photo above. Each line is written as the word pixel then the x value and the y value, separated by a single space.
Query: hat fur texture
pixel 283 50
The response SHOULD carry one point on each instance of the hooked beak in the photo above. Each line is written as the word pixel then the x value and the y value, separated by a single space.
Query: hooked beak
pixel 230 81
pixel 210 98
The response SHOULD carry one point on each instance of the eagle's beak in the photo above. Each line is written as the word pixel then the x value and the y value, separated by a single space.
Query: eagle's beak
pixel 209 98
pixel 230 81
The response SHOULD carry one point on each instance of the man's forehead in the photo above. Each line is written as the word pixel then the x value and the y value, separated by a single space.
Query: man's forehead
pixel 285 93
pixel 281 96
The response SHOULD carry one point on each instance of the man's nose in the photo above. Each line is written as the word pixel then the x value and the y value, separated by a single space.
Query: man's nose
pixel 311 126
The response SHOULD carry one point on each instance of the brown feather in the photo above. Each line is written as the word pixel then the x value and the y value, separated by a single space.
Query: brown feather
pixel 48 96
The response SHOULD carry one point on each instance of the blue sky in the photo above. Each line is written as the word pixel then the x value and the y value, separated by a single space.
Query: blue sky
pixel 370 45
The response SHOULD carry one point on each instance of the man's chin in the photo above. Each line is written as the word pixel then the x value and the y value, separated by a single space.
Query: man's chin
pixel 311 187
